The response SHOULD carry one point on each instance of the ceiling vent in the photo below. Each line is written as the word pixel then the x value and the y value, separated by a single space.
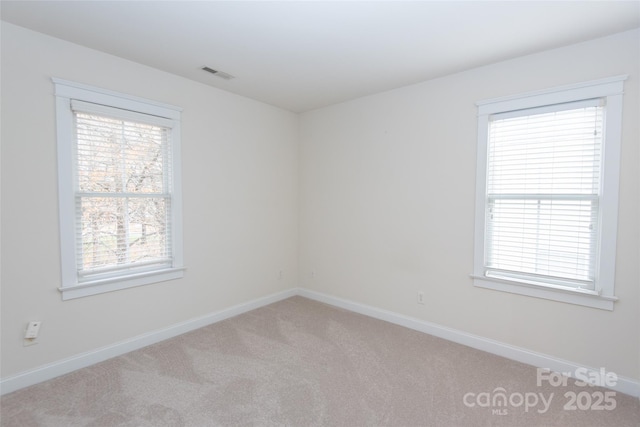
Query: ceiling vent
pixel 220 74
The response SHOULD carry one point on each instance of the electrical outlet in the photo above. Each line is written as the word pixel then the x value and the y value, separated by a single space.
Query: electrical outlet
pixel 420 297
pixel 31 333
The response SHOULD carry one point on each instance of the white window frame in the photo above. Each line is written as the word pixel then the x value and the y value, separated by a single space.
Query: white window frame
pixel 611 89
pixel 71 288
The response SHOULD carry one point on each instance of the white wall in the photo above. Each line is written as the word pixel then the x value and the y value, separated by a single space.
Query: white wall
pixel 383 186
pixel 240 203
pixel 387 188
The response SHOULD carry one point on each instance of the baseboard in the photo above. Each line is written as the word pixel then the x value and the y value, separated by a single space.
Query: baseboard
pixel 65 366
pixel 623 385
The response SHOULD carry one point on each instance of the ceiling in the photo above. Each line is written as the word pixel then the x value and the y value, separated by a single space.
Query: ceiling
pixel 302 55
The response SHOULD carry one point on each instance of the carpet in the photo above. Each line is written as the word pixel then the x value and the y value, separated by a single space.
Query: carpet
pixel 303 363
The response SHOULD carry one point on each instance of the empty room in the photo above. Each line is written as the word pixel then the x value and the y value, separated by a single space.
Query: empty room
pixel 320 213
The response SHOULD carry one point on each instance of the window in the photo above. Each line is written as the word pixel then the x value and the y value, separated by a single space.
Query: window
pixel 547 193
pixel 119 189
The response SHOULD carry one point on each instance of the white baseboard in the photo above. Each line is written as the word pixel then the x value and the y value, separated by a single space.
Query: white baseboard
pixel 623 385
pixel 65 366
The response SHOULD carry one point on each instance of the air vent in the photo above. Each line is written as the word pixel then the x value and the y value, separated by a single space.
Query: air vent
pixel 217 73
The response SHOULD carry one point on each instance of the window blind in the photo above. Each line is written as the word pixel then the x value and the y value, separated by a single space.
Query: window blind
pixel 123 191
pixel 543 186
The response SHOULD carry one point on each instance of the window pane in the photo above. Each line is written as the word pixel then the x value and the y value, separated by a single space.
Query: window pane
pixel 553 153
pixel 122 230
pixel 542 237
pixel 120 156
pixel 543 184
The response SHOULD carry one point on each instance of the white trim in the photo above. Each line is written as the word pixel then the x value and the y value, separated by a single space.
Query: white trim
pixel 79 91
pixel 83 360
pixel 570 296
pixel 65 366
pixel 609 88
pixel 117 283
pixel 71 95
pixel 519 354
pixel 555 95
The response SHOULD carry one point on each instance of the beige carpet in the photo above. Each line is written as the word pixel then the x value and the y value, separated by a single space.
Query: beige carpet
pixel 303 363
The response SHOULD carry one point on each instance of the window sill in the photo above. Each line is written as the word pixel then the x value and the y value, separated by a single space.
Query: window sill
pixel 114 284
pixel 570 296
